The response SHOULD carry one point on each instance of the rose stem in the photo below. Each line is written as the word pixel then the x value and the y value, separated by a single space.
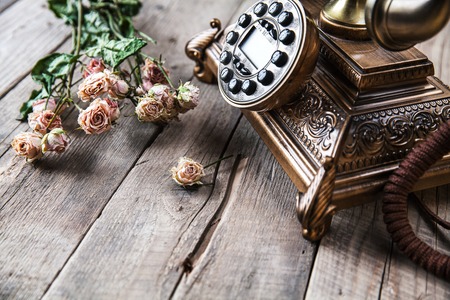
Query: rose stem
pixel 217 161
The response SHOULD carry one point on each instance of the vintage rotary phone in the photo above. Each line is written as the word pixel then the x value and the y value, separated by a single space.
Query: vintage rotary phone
pixel 336 109
pixel 270 51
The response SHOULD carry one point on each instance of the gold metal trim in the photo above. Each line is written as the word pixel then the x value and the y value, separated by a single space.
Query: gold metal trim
pixel 339 147
pixel 195 50
pixel 398 25
pixel 344 19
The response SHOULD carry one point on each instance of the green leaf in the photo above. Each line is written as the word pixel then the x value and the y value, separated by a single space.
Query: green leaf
pixel 55 65
pixel 95 30
pixel 127 28
pixel 115 52
pixel 64 9
pixel 51 67
pixel 129 7
pixel 27 106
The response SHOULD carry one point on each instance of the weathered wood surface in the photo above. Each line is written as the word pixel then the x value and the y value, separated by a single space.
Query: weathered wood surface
pixel 4 4
pixel 28 30
pixel 105 220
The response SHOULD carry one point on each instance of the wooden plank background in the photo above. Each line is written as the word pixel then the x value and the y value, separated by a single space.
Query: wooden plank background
pixel 105 221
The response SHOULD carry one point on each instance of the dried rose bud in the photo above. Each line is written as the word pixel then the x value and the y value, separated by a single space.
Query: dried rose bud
pixel 160 91
pixel 96 118
pixel 188 95
pixel 114 109
pixel 94 86
pixel 28 144
pixel 56 140
pixel 94 66
pixel 152 74
pixel 140 91
pixel 119 88
pixel 43 121
pixel 188 172
pixel 163 94
pixel 39 105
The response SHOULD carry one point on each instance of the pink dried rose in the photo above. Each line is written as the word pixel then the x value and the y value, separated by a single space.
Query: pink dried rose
pixel 114 109
pixel 28 144
pixel 187 96
pixel 43 121
pixel 94 66
pixel 157 106
pixel 56 140
pixel 188 172
pixel 152 74
pixel 150 110
pixel 118 88
pixel 94 86
pixel 96 119
pixel 140 91
pixel 39 105
pixel 163 94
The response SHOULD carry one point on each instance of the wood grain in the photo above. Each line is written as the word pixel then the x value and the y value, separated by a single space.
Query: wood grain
pixel 29 32
pixel 11 173
pixel 357 259
pixel 105 220
pixel 5 4
pixel 47 208
pixel 437 50
pixel 257 251
pixel 45 219
pixel 405 280
pixel 164 222
pixel 150 225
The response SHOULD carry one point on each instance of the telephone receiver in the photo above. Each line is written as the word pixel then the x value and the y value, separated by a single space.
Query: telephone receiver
pixel 338 114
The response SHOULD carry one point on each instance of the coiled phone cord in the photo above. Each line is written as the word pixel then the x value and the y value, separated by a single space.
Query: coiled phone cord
pixel 397 190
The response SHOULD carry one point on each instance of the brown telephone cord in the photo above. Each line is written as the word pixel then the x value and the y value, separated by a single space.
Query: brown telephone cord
pixel 398 187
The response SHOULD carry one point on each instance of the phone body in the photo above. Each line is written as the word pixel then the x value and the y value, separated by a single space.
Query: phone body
pixel 344 123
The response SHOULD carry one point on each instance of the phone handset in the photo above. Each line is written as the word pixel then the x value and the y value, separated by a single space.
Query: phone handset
pixel 268 55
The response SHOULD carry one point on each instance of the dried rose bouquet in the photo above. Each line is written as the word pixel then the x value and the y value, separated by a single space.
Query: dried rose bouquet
pixel 107 53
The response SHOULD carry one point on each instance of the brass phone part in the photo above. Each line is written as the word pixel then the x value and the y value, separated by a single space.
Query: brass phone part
pixel 362 111
pixel 267 55
pixel 394 24
pixel 398 25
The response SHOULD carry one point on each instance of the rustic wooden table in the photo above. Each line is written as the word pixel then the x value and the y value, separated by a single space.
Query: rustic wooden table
pixel 105 220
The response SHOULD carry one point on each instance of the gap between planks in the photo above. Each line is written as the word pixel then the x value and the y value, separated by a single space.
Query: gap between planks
pixel 153 137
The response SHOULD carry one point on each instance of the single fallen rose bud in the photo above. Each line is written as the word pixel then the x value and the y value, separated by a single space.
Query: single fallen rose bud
pixel 28 144
pixel 188 172
pixel 56 140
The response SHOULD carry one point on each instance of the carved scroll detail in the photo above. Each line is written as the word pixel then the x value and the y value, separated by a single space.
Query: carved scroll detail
pixel 313 119
pixel 195 50
pixel 388 135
